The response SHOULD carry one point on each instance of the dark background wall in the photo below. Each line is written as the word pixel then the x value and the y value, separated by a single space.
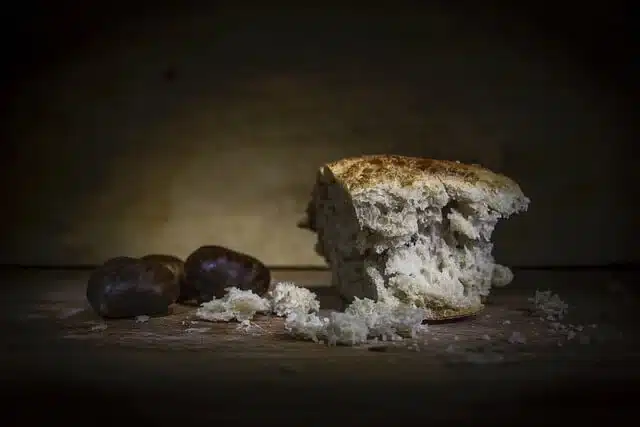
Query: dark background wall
pixel 150 128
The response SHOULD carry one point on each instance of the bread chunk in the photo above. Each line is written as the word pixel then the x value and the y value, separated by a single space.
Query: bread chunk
pixel 413 231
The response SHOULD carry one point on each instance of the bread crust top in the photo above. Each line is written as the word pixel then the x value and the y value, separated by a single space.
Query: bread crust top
pixel 361 173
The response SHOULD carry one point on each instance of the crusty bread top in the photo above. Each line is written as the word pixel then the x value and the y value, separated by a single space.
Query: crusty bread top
pixel 360 173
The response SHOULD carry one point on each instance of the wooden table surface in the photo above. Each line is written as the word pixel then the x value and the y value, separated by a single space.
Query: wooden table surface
pixel 57 352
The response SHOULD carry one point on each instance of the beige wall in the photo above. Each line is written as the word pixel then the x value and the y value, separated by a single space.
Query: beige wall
pixel 114 158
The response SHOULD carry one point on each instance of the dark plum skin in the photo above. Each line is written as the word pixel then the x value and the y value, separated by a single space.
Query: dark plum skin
pixel 209 270
pixel 173 263
pixel 129 287
pixel 176 265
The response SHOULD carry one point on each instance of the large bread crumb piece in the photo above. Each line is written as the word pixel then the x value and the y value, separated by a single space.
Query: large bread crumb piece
pixel 412 231
pixel 287 297
pixel 306 326
pixel 362 321
pixel 235 305
pixel 388 322
pixel 242 305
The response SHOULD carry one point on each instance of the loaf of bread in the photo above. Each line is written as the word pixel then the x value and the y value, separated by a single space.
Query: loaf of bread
pixel 412 231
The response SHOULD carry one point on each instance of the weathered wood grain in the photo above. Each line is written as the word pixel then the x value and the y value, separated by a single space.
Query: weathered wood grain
pixel 600 307
pixel 55 346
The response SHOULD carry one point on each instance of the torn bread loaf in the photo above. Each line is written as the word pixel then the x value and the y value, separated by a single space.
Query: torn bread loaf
pixel 411 230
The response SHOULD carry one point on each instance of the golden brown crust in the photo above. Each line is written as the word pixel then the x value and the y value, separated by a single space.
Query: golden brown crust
pixel 358 173
pixel 455 313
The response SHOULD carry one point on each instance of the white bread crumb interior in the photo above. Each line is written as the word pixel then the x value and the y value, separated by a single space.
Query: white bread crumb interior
pixel 411 231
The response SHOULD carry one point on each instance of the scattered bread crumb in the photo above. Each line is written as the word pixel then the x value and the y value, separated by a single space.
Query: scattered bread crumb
pixel 362 321
pixel 570 331
pixel 306 326
pixel 557 327
pixel 99 328
pixel 387 321
pixel 414 347
pixel 347 329
pixel 196 330
pixel 517 338
pixel 287 297
pixel 236 304
pixel 248 326
pixel 142 319
pixel 549 305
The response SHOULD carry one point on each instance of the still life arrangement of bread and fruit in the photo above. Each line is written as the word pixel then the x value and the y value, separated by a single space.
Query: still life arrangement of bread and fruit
pixel 407 241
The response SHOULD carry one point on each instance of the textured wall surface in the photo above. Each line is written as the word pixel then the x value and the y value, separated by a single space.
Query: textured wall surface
pixel 163 133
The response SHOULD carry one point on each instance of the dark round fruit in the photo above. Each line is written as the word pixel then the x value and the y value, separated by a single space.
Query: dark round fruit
pixel 129 287
pixel 209 270
pixel 176 265
pixel 173 263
